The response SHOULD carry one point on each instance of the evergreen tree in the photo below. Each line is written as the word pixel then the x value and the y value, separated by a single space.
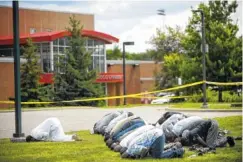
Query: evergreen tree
pixel 31 90
pixel 30 73
pixel 73 77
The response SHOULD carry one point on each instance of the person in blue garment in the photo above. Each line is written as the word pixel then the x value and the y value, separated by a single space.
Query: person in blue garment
pixel 123 127
pixel 114 122
pixel 151 142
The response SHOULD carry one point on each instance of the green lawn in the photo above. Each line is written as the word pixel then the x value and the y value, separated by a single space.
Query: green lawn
pixel 183 105
pixel 93 149
pixel 188 105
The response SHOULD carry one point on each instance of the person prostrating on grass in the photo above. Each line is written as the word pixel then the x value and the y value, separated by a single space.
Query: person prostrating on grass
pixel 50 130
pixel 206 134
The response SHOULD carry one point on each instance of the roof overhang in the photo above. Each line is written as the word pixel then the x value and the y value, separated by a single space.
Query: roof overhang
pixel 50 36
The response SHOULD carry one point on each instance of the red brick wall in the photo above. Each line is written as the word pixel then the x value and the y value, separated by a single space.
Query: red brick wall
pixel 40 20
pixel 7 83
pixel 133 82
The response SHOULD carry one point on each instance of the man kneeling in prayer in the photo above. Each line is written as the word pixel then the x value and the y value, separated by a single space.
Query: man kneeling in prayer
pixel 123 128
pixel 151 142
pixel 50 130
pixel 206 135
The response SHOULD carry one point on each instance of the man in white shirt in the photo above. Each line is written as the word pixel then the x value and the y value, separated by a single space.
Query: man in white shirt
pixel 50 130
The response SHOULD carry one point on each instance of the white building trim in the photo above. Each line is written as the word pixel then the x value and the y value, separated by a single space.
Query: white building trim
pixel 51 56
pixel 131 62
pixel 10 60
pixel 146 79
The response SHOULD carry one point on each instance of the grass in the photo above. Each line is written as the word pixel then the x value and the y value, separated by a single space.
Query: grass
pixel 93 149
pixel 188 105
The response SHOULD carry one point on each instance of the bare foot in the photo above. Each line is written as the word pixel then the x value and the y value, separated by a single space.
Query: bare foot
pixel 76 138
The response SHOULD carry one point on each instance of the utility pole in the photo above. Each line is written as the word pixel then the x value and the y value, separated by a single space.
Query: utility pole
pixel 18 124
pixel 124 69
pixel 205 105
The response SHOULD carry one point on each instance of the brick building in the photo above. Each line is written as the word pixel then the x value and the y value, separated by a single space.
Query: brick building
pixel 139 78
pixel 47 30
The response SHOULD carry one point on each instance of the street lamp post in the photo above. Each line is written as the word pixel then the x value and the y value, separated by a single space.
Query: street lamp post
pixel 18 125
pixel 124 69
pixel 205 105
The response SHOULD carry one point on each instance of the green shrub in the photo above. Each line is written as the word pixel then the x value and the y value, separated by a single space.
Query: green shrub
pixel 212 96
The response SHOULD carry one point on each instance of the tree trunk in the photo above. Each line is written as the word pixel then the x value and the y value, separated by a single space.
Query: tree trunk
pixel 220 96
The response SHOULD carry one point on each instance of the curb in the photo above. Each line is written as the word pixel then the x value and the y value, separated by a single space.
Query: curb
pixel 199 110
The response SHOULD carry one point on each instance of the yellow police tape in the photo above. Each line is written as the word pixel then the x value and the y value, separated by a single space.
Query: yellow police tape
pixel 131 95
pixel 224 84
pixel 107 98
pixel 152 97
pixel 171 89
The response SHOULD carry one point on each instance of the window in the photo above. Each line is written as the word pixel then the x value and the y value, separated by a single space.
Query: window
pixel 55 50
pixel 62 41
pixel 96 62
pixel 102 64
pixel 90 50
pixel 61 50
pixel 90 42
pixel 45 48
pixel 46 63
pixel 96 49
pixel 96 43
pixel 66 41
pixel 6 52
pixel 32 30
pixel 55 42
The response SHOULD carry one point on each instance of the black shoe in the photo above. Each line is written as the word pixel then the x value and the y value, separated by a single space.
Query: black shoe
pixel 110 142
pixel 125 155
pixel 117 148
pixel 231 141
pixel 181 153
pixel 123 149
pixel 238 138
pixel 113 146
pixel 106 137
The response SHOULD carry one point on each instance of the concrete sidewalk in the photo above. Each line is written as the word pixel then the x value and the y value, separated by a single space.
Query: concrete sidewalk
pixel 75 119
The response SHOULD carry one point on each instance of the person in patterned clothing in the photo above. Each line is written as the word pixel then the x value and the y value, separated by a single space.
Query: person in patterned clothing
pixel 150 142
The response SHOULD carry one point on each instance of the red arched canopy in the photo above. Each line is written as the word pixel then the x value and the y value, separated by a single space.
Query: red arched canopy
pixel 50 36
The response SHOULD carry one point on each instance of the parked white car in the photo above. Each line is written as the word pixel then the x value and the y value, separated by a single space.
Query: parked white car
pixel 163 100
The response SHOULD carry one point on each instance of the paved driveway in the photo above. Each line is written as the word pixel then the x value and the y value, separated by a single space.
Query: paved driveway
pixel 83 119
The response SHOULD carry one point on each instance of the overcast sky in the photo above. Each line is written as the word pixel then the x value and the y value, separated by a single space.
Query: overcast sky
pixel 128 20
